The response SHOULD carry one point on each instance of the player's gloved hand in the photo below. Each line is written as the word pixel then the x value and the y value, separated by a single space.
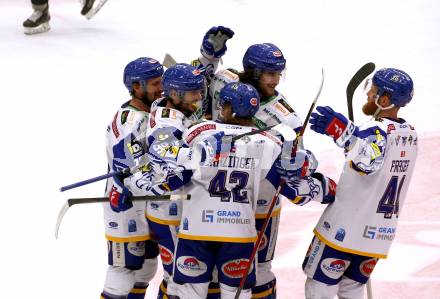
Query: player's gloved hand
pixel 331 123
pixel 119 196
pixel 214 42
pixel 328 187
pixel 214 147
pixel 303 164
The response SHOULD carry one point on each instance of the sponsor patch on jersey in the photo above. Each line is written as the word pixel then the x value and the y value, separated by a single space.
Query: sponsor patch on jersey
pixel 285 105
pixel 166 255
pixel 326 226
pixel 115 126
pixel 235 268
pixel 132 227
pixel 196 132
pixel 333 268
pixel 367 266
pixel 113 224
pixel 191 266
pixel 136 248
pixel 165 113
pixel 172 211
pixel 124 116
pixel 340 235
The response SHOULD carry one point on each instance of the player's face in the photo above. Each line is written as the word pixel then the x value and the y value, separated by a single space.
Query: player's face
pixel 154 89
pixel 268 82
pixel 370 106
pixel 192 101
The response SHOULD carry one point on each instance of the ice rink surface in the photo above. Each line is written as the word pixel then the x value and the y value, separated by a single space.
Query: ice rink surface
pixel 59 90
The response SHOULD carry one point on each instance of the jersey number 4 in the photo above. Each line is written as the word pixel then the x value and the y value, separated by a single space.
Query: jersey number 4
pixel 389 203
pixel 217 186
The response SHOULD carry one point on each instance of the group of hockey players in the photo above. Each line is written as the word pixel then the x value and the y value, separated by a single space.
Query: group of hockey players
pixel 178 131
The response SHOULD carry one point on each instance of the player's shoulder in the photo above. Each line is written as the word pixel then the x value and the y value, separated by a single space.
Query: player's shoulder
pixel 278 105
pixel 199 129
pixel 128 120
pixel 166 117
pixel 219 80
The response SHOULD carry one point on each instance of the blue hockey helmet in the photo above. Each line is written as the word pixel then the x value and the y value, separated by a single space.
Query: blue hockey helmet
pixel 182 77
pixel 396 83
pixel 244 99
pixel 140 71
pixel 264 57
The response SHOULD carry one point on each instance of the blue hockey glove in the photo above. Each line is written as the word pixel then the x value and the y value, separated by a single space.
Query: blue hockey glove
pixel 303 164
pixel 333 124
pixel 119 196
pixel 214 41
pixel 328 187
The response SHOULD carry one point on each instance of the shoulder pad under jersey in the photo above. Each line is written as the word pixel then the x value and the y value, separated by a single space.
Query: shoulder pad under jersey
pixel 276 111
pixel 128 121
pixel 199 129
pixel 166 117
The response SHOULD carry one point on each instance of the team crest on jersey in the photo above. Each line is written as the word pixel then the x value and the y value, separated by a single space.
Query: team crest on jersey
pixel 235 268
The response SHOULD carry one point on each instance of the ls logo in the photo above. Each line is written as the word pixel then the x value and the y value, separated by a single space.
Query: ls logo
pixel 369 232
pixel 208 216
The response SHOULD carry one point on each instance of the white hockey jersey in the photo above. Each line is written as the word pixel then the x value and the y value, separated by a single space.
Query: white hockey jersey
pixel 224 194
pixel 165 212
pixel 372 190
pixel 125 147
pixel 274 110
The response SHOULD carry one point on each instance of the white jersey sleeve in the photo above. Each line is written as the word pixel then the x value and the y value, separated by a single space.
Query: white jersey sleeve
pixel 363 217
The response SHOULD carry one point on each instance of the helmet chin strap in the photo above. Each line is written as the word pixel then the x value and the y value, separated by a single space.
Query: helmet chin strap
pixel 380 107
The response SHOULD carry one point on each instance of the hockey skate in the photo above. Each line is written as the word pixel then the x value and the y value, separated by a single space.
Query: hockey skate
pixel 38 22
pixel 90 8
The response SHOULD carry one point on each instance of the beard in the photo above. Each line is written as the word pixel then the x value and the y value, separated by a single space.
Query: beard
pixel 369 108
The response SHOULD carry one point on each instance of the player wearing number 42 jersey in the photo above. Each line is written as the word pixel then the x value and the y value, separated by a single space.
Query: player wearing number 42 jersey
pixel 359 227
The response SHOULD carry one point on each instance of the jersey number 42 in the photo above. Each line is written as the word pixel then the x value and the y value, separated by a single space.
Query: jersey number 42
pixel 217 186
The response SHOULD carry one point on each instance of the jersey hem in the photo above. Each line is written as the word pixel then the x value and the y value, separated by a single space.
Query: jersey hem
pixel 348 250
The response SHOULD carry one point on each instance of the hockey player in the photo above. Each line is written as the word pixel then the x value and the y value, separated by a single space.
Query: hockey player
pixel 132 255
pixel 218 223
pixel 358 228
pixel 38 22
pixel 263 66
pixel 184 89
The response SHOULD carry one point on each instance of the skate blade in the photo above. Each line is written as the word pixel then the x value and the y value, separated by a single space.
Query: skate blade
pixel 95 9
pixel 36 30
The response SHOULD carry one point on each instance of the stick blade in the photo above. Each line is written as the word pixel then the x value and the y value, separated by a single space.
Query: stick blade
pixel 168 61
pixel 61 214
pixel 357 79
